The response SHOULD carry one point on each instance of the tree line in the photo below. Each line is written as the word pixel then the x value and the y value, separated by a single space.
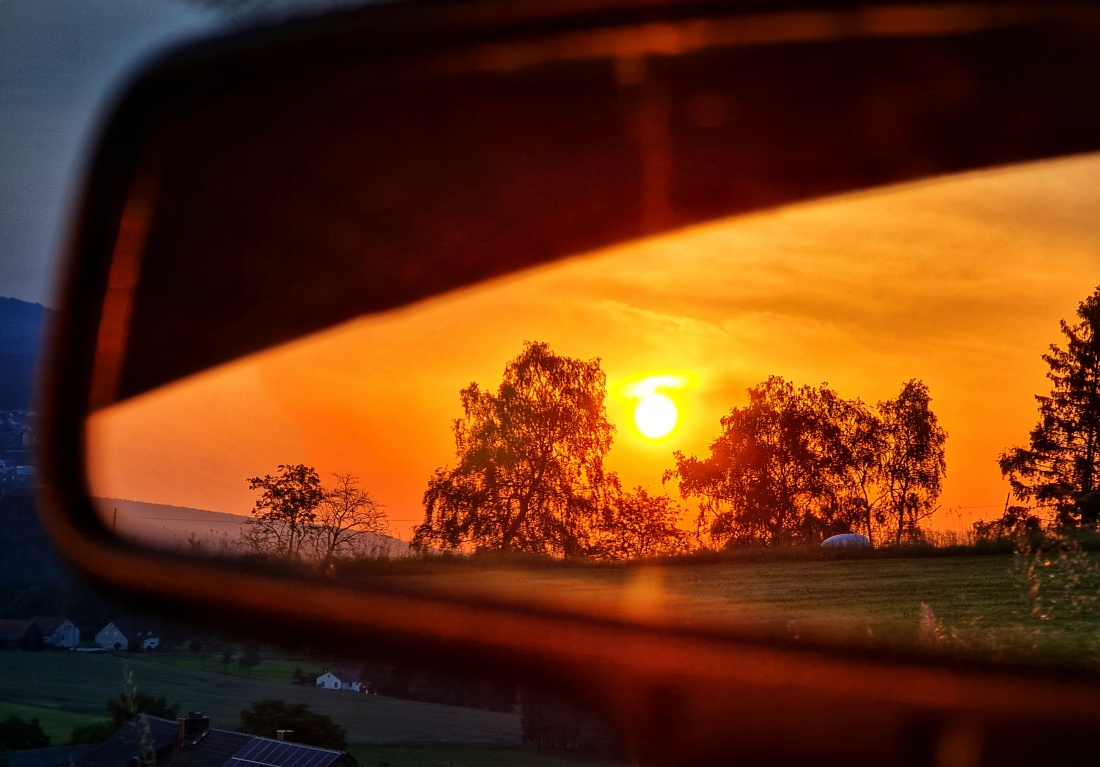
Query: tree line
pixel 794 465
pixel 800 465
pixel 295 517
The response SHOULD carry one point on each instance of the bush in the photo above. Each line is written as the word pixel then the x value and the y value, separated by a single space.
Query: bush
pixel 17 734
pixel 129 704
pixel 267 717
pixel 96 732
pixel 554 724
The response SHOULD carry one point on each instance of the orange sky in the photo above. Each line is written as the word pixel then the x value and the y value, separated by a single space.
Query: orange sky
pixel 958 281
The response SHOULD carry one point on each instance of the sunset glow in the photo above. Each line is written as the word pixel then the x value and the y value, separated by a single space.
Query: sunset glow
pixel 959 282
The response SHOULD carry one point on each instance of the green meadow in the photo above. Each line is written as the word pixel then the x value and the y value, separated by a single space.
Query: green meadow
pixel 976 602
pixel 63 687
pixel 974 605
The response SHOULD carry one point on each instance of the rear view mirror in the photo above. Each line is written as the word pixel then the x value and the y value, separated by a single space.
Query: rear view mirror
pixel 299 184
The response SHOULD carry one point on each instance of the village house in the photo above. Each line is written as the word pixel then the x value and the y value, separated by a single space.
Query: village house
pixel 122 636
pixel 58 632
pixel 341 679
pixel 20 635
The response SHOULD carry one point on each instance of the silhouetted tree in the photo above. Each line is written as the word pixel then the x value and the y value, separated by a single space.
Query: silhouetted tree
pixel 93 732
pixel 130 703
pixel 267 717
pixel 913 463
pixel 636 525
pixel 250 658
pixel 553 724
pixel 530 461
pixel 799 465
pixel 771 476
pixel 345 517
pixel 16 734
pixel 198 647
pixel 1059 470
pixel 284 514
pixel 861 492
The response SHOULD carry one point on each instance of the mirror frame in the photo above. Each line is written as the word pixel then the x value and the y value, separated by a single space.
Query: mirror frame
pixel 672 692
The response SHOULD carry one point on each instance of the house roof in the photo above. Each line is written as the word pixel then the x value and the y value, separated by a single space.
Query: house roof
pixel 48 624
pixel 128 631
pixel 126 743
pixel 216 748
pixel 344 674
pixel 121 627
pixel 14 630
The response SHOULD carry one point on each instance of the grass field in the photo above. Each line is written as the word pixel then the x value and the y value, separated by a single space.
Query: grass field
pixel 56 723
pixel 269 670
pixel 61 683
pixel 863 600
pixel 979 599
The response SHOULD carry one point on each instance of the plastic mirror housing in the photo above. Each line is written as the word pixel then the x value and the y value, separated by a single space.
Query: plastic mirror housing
pixel 415 148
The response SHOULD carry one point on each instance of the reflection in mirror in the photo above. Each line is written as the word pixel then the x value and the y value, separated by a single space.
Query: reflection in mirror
pixel 723 399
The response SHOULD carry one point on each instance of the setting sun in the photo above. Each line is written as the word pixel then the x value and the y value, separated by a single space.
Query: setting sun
pixel 655 415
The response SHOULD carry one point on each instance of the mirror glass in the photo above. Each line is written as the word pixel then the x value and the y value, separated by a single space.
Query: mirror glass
pixel 660 427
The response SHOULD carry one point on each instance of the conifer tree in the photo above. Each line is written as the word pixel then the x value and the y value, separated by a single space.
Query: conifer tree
pixel 1059 469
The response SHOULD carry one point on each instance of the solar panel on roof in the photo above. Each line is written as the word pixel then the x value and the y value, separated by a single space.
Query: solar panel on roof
pixel 272 753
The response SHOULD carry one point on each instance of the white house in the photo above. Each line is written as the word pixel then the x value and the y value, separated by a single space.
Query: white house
pixel 340 679
pixel 58 632
pixel 120 636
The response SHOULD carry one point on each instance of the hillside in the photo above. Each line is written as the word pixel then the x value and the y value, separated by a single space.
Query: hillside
pixel 178 527
pixel 21 330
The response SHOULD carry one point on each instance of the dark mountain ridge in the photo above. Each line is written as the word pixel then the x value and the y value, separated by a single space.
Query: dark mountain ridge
pixel 22 325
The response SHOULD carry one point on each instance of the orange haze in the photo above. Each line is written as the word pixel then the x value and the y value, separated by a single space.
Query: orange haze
pixel 958 281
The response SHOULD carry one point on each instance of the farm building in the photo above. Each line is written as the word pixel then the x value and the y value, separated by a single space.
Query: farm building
pixel 122 636
pixel 20 635
pixel 58 632
pixel 341 679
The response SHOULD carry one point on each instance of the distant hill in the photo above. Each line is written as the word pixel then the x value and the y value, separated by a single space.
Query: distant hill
pixel 21 328
pixel 26 555
pixel 177 527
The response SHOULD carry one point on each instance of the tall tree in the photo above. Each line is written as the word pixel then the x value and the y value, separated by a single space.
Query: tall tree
pixel 798 465
pixel 529 471
pixel 1059 470
pixel 249 658
pixel 283 517
pixel 771 474
pixel 345 518
pixel 913 461
pixel 860 472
